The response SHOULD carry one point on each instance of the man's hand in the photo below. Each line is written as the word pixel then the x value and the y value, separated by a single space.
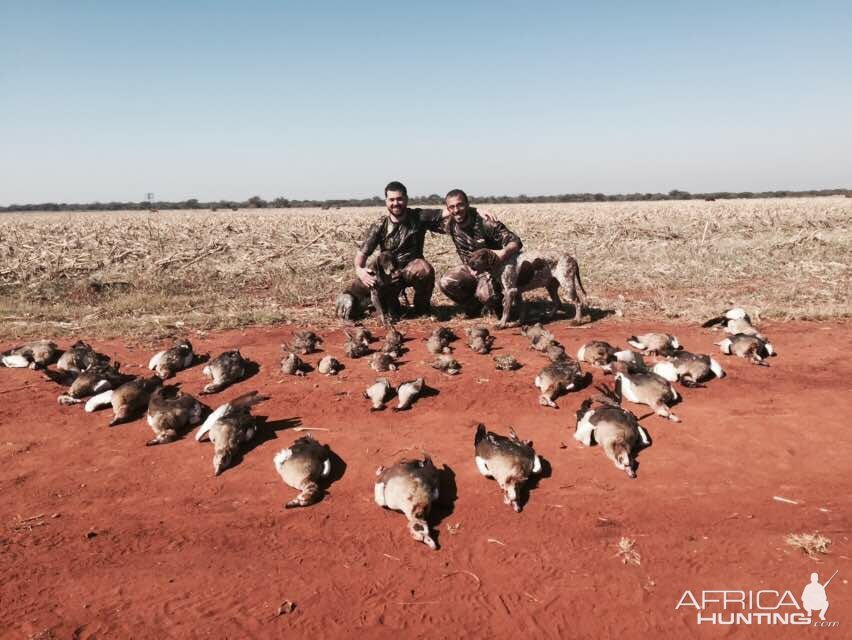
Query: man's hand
pixel 365 276
pixel 488 215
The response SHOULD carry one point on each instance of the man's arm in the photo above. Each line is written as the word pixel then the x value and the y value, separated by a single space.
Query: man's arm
pixel 361 270
pixel 367 247
pixel 500 234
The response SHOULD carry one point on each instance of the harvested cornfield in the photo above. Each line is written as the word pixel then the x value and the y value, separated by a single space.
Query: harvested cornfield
pixel 141 273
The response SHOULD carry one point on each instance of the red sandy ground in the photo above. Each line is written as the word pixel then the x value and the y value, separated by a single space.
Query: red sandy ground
pixel 173 551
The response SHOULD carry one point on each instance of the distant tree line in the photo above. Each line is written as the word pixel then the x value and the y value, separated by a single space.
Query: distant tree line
pixel 256 202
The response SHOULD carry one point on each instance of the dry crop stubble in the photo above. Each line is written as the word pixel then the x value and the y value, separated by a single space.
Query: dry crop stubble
pixel 138 273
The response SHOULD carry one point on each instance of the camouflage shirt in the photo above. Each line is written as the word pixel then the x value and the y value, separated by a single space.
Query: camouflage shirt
pixel 404 239
pixel 479 233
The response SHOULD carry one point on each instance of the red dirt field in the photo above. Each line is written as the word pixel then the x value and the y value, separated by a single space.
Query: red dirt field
pixel 144 542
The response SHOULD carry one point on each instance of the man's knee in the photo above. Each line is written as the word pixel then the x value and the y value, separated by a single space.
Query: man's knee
pixel 418 270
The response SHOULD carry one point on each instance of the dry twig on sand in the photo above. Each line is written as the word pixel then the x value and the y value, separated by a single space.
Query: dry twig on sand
pixel 813 544
pixel 627 552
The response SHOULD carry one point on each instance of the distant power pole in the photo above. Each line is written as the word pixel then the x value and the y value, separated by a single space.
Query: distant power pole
pixel 150 197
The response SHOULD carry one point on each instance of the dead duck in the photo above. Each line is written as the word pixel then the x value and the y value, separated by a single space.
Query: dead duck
pixel 361 334
pixel 171 413
pixel 660 343
pixel 329 366
pixel 407 393
pixel 379 393
pixel 734 321
pixel 129 401
pixel 305 342
pixel 615 429
pixel 437 344
pixel 356 347
pixel 228 427
pixel 167 363
pixel 224 370
pixel 535 330
pixel 35 355
pixel 597 353
pixel 393 339
pixel 410 486
pixel 303 466
pixel 648 388
pixel 690 368
pixel 509 460
pixel 291 364
pixel 477 331
pixel 481 344
pixel 558 377
pixel 445 333
pixel 446 364
pixel 79 357
pixel 543 341
pixel 382 362
pixel 752 348
pixel 95 379
pixel 506 363
pixel 554 352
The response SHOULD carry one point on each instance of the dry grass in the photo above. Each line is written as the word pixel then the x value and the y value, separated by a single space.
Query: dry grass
pixel 627 552
pixel 136 273
pixel 813 544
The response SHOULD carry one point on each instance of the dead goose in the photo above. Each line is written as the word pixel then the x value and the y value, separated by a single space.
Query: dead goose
pixel 690 368
pixel 303 465
pixel 291 364
pixel 35 355
pixel 167 363
pixel 393 339
pixel 305 342
pixel 356 347
pixel 506 363
pixel 171 413
pixel 534 331
pixel 378 393
pixel 407 393
pixel 225 369
pixel 661 343
pixel 95 379
pixel 128 401
pixel 328 366
pixel 445 333
pixel 735 321
pixel 559 376
pixel 648 388
pixel 79 357
pixel 381 362
pixel 446 364
pixel 554 352
pixel 543 341
pixel 436 344
pixel 615 429
pixel 410 486
pixel 361 334
pixel 510 461
pixel 477 332
pixel 228 427
pixel 597 353
pixel 750 347
pixel 481 344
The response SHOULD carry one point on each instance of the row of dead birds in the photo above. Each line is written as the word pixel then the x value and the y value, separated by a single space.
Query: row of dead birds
pixel 409 486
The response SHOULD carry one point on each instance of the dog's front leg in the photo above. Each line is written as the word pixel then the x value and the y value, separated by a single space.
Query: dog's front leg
pixel 378 303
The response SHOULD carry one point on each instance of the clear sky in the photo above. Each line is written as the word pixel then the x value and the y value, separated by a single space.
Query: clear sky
pixel 109 100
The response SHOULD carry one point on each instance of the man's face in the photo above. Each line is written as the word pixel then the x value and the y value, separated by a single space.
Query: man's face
pixel 396 202
pixel 457 206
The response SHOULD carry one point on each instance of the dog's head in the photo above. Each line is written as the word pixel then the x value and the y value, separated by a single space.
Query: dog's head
pixel 384 268
pixel 483 261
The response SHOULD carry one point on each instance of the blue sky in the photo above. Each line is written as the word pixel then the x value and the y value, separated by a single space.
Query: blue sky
pixel 109 100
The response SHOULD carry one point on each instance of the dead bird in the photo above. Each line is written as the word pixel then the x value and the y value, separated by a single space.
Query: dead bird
pixel 445 333
pixel 543 341
pixel 329 366
pixel 509 460
pixel 477 331
pixel 534 331
pixel 95 379
pixel 228 427
pixel 615 429
pixel 410 486
pixel 291 364
pixel 382 362
pixel 303 465
pixel 79 357
pixel 129 401
pixel 394 339
pixel 597 353
pixel 660 343
pixel 167 363
pixel 171 413
pixel 690 368
pixel 735 321
pixel 437 344
pixel 361 334
pixel 506 363
pixel 378 393
pixel 750 347
pixel 225 369
pixel 446 364
pixel 305 342
pixel 560 376
pixel 648 388
pixel 555 351
pixel 407 393
pixel 481 344
pixel 356 345
pixel 633 359
pixel 35 355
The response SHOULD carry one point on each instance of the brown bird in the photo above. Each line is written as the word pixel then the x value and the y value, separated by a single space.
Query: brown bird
pixel 509 460
pixel 303 465
pixel 410 486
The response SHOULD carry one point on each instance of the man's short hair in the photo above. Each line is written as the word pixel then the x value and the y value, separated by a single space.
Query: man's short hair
pixel 396 186
pixel 455 193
